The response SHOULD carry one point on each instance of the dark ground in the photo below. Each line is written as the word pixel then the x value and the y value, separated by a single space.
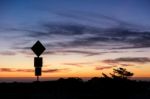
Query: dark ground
pixel 75 88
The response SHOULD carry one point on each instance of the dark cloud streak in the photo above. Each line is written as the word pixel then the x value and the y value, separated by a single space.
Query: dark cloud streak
pixel 7 53
pixel 128 59
pixel 104 67
pixel 31 70
pixel 77 35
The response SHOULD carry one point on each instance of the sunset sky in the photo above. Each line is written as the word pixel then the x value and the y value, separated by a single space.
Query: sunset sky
pixel 83 38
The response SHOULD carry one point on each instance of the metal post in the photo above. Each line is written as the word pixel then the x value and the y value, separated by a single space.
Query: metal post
pixel 37 78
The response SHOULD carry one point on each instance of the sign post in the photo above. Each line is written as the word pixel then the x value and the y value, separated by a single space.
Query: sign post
pixel 38 49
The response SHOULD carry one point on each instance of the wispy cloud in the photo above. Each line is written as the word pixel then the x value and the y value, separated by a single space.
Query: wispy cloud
pixel 7 53
pixel 79 64
pixel 128 59
pixel 31 70
pixel 66 52
pixel 104 67
pixel 87 53
pixel 112 65
pixel 55 70
pixel 6 70
pixel 85 36
pixel 76 35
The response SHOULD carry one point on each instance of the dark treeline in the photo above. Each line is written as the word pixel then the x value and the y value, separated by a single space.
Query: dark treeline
pixel 75 88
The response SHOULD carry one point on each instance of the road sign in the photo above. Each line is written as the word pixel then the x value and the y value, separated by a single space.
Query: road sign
pixel 38 72
pixel 38 48
pixel 38 62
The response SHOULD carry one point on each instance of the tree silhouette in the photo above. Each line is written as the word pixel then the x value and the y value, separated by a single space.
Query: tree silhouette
pixel 121 73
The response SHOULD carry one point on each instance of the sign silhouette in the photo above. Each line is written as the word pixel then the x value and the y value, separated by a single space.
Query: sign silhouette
pixel 38 49
pixel 38 62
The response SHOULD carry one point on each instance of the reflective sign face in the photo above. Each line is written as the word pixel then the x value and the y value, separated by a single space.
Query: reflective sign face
pixel 38 71
pixel 38 48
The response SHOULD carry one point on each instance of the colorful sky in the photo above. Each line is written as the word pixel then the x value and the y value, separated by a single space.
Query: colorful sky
pixel 83 38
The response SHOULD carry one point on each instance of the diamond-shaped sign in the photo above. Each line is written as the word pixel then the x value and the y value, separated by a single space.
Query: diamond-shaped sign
pixel 38 48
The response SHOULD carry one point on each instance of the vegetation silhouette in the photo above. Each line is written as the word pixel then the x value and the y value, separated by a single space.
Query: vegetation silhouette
pixel 119 73
pixel 117 86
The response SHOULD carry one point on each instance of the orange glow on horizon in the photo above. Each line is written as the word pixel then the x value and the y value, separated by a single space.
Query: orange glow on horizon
pixel 75 66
